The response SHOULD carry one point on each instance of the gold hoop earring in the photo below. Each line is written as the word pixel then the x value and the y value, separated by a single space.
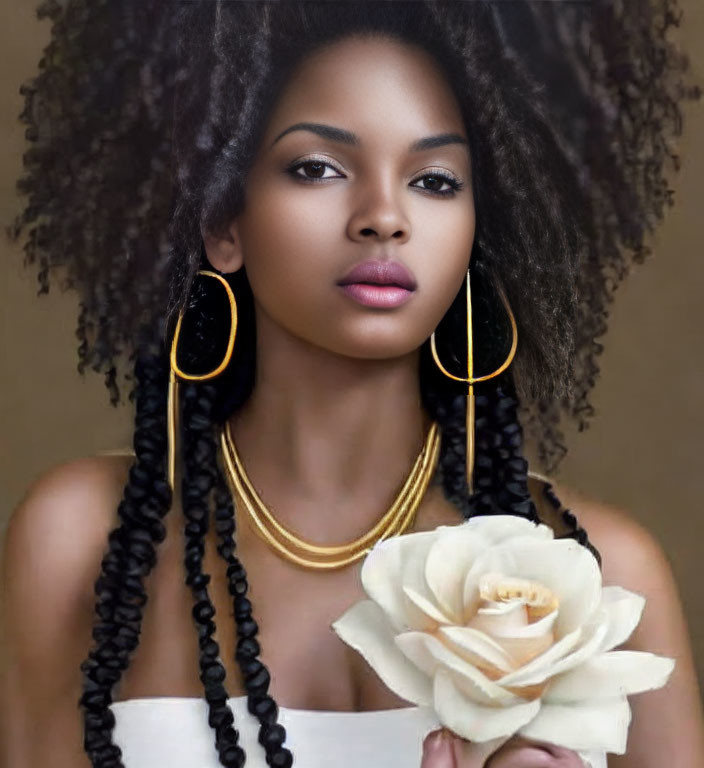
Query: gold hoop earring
pixel 470 379
pixel 176 372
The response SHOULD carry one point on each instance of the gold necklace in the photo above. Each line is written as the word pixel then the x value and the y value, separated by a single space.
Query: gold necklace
pixel 395 521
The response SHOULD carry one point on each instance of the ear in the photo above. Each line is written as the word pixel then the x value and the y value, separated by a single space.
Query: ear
pixel 224 251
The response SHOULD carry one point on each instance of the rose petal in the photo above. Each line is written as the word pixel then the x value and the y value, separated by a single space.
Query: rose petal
pixel 539 668
pixel 500 618
pixel 624 610
pixel 535 629
pixel 524 649
pixel 614 674
pixel 429 655
pixel 366 629
pixel 424 605
pixel 563 565
pixel 458 546
pixel 599 725
pixel 521 642
pixel 448 560
pixel 392 563
pixel 592 637
pixel 473 721
pixel 498 528
pixel 477 648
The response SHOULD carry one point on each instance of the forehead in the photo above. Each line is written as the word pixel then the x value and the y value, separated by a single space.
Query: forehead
pixel 370 82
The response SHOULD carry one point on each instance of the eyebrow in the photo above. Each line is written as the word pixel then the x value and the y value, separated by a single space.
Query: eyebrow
pixel 347 137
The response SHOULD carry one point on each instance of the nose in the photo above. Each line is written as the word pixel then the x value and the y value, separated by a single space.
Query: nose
pixel 378 213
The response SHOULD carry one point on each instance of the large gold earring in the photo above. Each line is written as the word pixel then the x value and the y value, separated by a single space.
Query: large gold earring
pixel 177 372
pixel 471 379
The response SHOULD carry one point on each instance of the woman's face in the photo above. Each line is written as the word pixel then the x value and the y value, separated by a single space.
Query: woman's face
pixel 318 204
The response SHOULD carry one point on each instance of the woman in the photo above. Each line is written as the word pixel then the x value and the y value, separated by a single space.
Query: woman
pixel 286 146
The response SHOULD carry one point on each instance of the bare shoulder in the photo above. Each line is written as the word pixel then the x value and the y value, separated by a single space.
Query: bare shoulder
pixel 55 538
pixel 68 508
pixel 631 554
pixel 668 724
pixel 51 553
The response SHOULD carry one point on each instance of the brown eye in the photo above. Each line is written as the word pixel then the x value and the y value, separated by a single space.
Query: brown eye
pixel 432 182
pixel 318 169
pixel 314 170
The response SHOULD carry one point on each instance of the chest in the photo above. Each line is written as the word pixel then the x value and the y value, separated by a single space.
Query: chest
pixel 310 667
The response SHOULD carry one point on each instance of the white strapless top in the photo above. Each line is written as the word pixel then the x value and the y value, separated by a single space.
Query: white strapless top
pixel 173 732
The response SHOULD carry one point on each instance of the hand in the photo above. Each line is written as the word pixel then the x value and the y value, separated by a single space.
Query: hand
pixel 443 749
pixel 518 752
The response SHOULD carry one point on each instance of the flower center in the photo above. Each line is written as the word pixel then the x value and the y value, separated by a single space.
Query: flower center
pixel 538 599
pixel 517 616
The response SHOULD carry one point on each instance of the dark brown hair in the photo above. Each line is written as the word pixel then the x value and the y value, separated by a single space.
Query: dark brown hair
pixel 143 120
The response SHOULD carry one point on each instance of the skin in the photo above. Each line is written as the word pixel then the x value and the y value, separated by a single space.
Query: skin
pixel 345 363
pixel 334 423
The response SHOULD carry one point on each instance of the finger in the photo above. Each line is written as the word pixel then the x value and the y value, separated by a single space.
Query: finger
pixel 469 754
pixel 437 750
pixel 553 749
pixel 522 757
pixel 526 752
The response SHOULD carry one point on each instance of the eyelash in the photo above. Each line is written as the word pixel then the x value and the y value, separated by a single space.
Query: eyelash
pixel 455 184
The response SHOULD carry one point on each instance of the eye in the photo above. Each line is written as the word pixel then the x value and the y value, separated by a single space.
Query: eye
pixel 318 166
pixel 315 165
pixel 437 179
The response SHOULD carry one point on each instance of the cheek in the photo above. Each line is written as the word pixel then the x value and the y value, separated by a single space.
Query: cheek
pixel 287 248
pixel 295 251
pixel 445 259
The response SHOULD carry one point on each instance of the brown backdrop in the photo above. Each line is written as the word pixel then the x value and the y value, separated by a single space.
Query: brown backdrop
pixel 643 451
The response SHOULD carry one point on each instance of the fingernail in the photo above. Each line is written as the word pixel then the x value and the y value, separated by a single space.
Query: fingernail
pixel 434 742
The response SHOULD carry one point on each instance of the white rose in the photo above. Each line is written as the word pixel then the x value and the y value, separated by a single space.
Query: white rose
pixel 503 629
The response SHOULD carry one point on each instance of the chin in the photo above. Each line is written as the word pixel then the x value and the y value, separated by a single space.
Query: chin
pixel 376 348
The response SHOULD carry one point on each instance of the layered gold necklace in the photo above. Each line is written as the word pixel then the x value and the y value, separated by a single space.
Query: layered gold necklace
pixel 396 520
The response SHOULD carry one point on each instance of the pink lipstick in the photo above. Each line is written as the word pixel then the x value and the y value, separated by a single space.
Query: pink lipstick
pixel 377 295
pixel 379 284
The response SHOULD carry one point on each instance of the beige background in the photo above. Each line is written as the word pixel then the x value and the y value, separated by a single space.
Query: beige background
pixel 643 452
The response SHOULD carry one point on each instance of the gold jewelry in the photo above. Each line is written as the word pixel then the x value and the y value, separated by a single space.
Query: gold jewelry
pixel 395 521
pixel 176 371
pixel 471 379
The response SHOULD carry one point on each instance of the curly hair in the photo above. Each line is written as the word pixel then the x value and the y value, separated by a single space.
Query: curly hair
pixel 131 157
pixel 143 123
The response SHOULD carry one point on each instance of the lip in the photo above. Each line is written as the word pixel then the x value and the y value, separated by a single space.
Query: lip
pixel 384 296
pixel 380 273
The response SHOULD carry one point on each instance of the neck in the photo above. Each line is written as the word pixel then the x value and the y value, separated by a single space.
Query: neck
pixel 328 440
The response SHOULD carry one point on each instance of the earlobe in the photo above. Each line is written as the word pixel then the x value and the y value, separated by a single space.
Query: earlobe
pixel 224 251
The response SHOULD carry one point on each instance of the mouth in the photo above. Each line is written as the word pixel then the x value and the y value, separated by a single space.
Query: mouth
pixel 380 273
pixel 376 295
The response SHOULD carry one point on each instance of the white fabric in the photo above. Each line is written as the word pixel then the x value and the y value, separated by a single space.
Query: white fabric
pixel 173 732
